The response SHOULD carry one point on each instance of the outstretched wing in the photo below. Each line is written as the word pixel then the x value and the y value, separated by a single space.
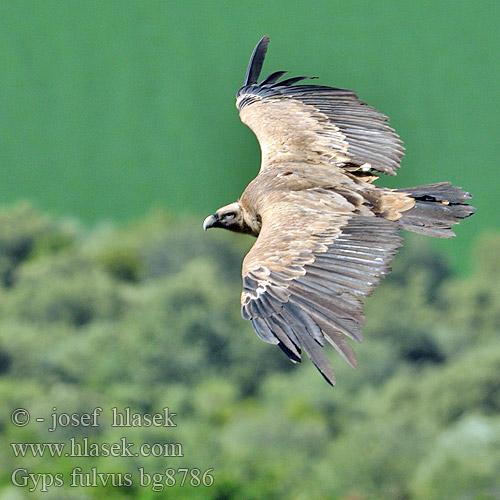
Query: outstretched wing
pixel 303 278
pixel 315 123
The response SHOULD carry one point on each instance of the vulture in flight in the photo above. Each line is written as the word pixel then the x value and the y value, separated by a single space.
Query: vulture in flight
pixel 325 233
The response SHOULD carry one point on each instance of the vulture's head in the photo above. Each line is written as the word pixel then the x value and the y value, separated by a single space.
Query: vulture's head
pixel 228 217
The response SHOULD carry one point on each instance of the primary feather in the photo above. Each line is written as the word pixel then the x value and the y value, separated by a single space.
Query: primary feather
pixel 256 61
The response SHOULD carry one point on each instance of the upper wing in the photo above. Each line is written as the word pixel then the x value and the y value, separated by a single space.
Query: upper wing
pixel 310 264
pixel 311 122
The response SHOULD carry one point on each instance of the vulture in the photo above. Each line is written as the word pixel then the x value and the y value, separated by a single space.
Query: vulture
pixel 325 233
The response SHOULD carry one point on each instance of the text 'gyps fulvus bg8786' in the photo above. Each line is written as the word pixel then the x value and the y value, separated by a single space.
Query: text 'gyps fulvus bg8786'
pixel 325 233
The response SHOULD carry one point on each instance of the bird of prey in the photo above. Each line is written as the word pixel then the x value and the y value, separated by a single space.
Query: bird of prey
pixel 325 233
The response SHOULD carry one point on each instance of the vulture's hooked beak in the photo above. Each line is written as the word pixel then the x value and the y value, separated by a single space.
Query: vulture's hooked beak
pixel 210 221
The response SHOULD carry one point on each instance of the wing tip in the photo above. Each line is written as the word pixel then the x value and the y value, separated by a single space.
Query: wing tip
pixel 329 376
pixel 256 61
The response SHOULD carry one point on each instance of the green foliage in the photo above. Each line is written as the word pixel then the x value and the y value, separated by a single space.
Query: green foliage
pixel 463 463
pixel 147 316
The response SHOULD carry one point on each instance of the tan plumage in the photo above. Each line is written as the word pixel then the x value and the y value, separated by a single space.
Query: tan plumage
pixel 326 234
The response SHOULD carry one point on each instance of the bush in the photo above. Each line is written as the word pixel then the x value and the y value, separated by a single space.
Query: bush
pixel 148 316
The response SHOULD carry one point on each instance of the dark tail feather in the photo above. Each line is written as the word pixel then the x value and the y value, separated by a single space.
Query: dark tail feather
pixel 437 208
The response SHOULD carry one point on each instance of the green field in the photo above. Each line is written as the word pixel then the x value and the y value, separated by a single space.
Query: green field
pixel 108 108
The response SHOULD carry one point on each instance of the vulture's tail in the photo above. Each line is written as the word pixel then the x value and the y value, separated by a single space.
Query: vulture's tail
pixel 437 208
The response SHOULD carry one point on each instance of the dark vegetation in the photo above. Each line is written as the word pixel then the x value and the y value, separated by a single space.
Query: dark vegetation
pixel 148 316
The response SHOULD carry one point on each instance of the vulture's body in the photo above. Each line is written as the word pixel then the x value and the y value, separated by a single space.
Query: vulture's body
pixel 326 234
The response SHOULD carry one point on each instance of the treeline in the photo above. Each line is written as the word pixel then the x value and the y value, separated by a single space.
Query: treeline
pixel 148 317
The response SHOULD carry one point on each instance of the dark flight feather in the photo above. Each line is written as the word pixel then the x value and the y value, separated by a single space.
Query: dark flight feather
pixel 273 77
pixel 290 81
pixel 256 61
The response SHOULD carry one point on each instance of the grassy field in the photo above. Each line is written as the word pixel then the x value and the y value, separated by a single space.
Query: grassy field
pixel 109 108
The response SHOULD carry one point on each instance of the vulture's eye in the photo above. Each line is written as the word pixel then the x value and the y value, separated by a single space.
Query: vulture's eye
pixel 229 216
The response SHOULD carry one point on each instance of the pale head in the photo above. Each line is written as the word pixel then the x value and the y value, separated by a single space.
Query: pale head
pixel 230 217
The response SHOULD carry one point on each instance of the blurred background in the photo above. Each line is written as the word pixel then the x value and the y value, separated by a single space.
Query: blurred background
pixel 118 134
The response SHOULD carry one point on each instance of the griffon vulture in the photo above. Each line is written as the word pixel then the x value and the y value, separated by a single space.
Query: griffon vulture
pixel 325 233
